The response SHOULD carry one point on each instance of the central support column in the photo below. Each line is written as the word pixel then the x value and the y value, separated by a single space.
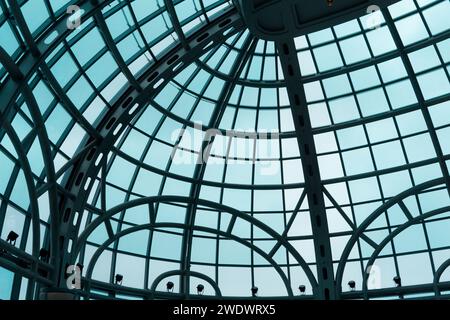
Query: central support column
pixel 313 185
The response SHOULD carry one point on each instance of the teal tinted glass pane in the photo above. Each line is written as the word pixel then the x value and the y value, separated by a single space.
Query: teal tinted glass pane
pixel 412 277
pixel 411 29
pixel 351 137
pixel 437 17
pixel 344 109
pixel 364 189
pixel 336 86
pixel 129 242
pixel 392 70
pixel 231 252
pixel 436 231
pixel 424 59
pixel 8 41
pixel 306 62
pixel 444 49
pixel 57 122
pixel 347 28
pixel 372 102
pixel 373 144
pixel 88 46
pixel 411 122
pixel 319 115
pixel 101 69
pixel 365 78
pixel 35 14
pixel 320 36
pixel 395 183
pixel 204 250
pixel 388 155
pixel 381 41
pixel 6 280
pixel 357 161
pixel 434 84
pixel 401 8
pixel 7 166
pixel 443 140
pixel 440 113
pixel 419 148
pixel 350 54
pixel 313 91
pixel 64 69
pixel 323 54
pixel 401 94
pixel 381 130
pixel 166 245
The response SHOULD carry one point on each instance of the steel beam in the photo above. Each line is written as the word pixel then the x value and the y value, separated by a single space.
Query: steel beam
pixel 420 97
pixel 220 233
pixel 200 167
pixel 129 104
pixel 130 101
pixel 366 223
pixel 272 20
pixel 81 240
pixel 308 155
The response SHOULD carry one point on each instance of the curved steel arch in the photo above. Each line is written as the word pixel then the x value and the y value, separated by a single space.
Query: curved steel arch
pixel 419 95
pixel 95 5
pixel 380 210
pixel 39 50
pixel 18 77
pixel 290 64
pixel 168 113
pixel 131 104
pixel 202 159
pixel 26 168
pixel 18 82
pixel 191 180
pixel 190 273
pixel 152 226
pixel 78 243
pixel 437 276
pixel 392 235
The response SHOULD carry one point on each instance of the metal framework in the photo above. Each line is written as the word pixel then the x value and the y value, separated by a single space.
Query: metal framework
pixel 310 164
pixel 72 195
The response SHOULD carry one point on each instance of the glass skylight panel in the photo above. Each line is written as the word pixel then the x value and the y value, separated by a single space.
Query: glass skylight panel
pixel 378 106
pixel 350 54
pixel 381 41
pixel 323 54
pixel 434 83
pixel 344 109
pixel 8 40
pixel 436 18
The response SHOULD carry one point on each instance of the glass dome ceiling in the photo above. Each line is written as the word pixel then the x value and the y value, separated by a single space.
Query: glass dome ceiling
pixel 156 140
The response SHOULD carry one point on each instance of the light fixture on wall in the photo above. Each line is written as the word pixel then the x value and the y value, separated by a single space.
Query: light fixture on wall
pixel 254 291
pixel 302 289
pixel 170 286
pixel 352 285
pixel 200 289
pixel 397 281
pixel 119 279
pixel 44 255
pixel 12 237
